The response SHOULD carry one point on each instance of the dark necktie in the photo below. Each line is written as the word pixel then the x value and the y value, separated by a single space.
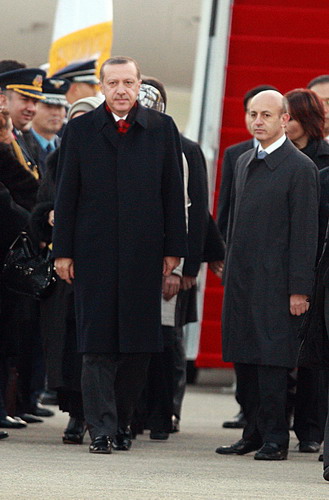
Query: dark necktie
pixel 49 148
pixel 261 155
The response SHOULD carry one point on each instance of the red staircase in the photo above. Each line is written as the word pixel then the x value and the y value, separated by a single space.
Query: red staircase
pixel 278 42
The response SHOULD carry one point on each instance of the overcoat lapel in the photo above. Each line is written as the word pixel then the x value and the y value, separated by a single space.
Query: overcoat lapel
pixel 104 125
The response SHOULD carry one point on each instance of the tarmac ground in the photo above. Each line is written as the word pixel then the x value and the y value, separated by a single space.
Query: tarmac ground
pixel 35 465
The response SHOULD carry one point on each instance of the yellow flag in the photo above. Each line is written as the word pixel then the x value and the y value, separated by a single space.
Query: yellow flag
pixel 82 31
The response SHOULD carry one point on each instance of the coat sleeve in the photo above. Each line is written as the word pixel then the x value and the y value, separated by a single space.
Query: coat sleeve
pixel 67 194
pixel 13 219
pixel 303 211
pixel 198 210
pixel 175 237
pixel 214 248
pixel 225 194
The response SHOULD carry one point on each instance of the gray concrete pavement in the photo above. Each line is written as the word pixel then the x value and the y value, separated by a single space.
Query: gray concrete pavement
pixel 34 464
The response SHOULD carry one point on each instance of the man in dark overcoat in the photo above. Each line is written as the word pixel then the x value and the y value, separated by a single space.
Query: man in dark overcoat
pixel 119 226
pixel 271 251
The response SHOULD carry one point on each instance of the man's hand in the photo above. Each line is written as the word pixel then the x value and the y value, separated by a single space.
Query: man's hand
pixel 217 267
pixel 298 304
pixel 169 264
pixel 65 269
pixel 170 286
pixel 187 282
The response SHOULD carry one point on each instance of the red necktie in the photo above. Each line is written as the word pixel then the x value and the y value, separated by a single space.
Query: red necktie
pixel 123 126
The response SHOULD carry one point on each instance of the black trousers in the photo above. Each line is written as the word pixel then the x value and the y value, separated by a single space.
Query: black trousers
pixel 310 404
pixel 160 384
pixel 326 430
pixel 111 386
pixel 263 394
pixel 179 371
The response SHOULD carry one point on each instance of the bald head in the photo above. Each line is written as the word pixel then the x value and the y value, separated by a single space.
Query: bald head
pixel 271 98
pixel 268 117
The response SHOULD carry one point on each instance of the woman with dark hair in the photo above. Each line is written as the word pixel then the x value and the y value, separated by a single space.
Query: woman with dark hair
pixel 306 130
pixel 306 125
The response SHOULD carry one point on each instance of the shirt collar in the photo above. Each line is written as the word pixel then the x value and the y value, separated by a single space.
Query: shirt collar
pixel 117 118
pixel 42 141
pixel 275 145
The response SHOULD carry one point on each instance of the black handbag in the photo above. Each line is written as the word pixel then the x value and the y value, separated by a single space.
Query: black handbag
pixel 26 271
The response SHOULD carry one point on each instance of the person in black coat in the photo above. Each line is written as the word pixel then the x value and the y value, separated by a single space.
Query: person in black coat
pixel 167 371
pixel 13 219
pixel 269 266
pixel 305 129
pixel 314 348
pixel 19 191
pixel 57 316
pixel 231 154
pixel 119 226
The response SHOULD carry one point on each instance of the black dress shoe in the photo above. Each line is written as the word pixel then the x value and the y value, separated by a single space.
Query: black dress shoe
pixel 326 473
pixel 174 424
pixel 122 440
pixel 49 398
pixel 3 435
pixel 320 457
pixel 30 419
pixel 40 411
pixel 239 448
pixel 101 444
pixel 271 451
pixel 75 431
pixel 11 423
pixel 309 447
pixel 238 422
pixel 159 435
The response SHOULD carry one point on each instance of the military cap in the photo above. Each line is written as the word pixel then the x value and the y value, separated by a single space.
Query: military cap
pixel 26 81
pixel 54 90
pixel 81 71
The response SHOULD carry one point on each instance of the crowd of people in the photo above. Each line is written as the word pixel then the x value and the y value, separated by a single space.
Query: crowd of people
pixel 273 205
pixel 98 172
pixel 122 199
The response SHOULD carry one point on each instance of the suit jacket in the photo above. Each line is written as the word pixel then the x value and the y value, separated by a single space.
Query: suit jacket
pixel 119 210
pixel 231 155
pixel 271 251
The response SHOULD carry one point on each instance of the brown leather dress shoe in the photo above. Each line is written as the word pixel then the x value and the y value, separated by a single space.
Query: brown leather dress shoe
pixel 239 448
pixel 271 451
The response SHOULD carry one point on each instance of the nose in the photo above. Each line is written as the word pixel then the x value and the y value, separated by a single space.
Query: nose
pixel 258 120
pixel 121 89
pixel 31 106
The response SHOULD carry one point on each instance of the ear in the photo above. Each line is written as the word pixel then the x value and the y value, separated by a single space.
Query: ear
pixel 285 117
pixel 101 88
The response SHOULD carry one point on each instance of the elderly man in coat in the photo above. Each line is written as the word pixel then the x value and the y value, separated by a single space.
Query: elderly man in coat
pixel 119 226
pixel 272 242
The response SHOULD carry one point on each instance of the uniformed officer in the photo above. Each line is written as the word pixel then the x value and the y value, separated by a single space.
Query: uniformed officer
pixel 84 82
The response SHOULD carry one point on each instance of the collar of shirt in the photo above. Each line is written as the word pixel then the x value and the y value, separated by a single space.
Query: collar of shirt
pixel 117 118
pixel 255 142
pixel 44 142
pixel 274 146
